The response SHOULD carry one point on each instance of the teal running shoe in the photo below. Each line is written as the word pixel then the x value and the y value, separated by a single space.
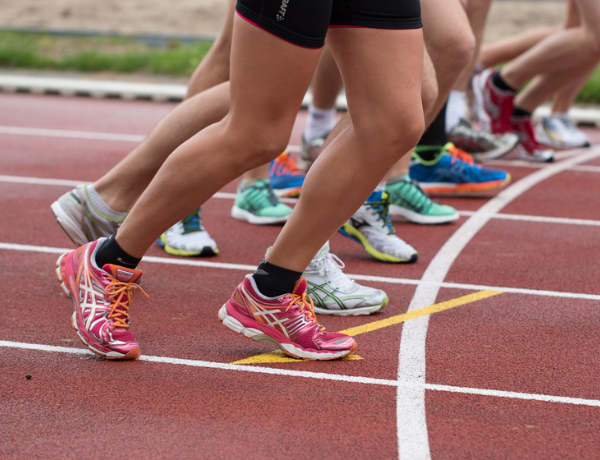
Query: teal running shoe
pixel 257 204
pixel 409 201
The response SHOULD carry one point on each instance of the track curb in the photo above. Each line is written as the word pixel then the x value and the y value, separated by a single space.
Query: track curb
pixel 164 92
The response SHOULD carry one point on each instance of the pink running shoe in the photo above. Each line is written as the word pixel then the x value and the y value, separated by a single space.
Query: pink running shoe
pixel 528 147
pixel 287 321
pixel 101 298
pixel 493 106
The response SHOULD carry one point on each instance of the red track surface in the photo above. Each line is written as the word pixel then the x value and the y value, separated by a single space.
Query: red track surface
pixel 519 344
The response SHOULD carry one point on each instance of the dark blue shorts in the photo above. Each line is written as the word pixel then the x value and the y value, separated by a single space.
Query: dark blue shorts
pixel 305 22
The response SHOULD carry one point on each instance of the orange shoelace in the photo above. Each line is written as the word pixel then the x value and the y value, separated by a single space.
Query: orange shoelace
pixel 457 153
pixel 287 163
pixel 306 306
pixel 117 292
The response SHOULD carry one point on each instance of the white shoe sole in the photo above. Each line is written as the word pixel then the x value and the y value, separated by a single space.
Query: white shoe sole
pixel 70 226
pixel 417 218
pixel 241 214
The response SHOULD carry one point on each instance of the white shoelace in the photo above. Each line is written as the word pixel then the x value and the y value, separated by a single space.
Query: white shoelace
pixel 330 267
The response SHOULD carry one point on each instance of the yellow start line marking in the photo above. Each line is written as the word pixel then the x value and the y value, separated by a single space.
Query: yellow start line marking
pixel 279 357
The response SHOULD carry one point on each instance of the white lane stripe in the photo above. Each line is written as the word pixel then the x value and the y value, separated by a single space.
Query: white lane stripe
pixel 413 441
pixel 91 135
pixel 231 196
pixel 371 278
pixel 16 130
pixel 313 375
pixel 541 219
pixel 527 164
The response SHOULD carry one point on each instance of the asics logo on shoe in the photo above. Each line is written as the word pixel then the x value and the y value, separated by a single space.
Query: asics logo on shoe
pixel 282 10
pixel 124 275
pixel 358 224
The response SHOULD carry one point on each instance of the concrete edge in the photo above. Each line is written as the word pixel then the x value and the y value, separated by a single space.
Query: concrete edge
pixel 162 92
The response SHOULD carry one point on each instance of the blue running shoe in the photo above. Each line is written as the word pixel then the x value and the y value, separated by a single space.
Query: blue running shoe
pixel 286 178
pixel 453 171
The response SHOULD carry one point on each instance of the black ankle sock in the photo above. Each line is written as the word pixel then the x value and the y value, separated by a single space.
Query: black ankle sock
pixel 273 281
pixel 434 137
pixel 499 82
pixel 520 113
pixel 111 253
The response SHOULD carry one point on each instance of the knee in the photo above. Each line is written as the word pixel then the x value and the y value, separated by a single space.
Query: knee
pixel 463 46
pixel 260 145
pixel 394 133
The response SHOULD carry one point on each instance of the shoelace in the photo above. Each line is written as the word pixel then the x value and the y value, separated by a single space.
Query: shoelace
pixel 192 223
pixel 116 291
pixel 332 265
pixel 458 154
pixel 306 305
pixel 415 195
pixel 288 165
pixel 382 210
pixel 262 193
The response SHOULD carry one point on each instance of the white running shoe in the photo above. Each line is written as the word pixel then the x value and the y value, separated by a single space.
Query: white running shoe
pixel 559 132
pixel 334 293
pixel 310 152
pixel 372 228
pixel 81 220
pixel 188 238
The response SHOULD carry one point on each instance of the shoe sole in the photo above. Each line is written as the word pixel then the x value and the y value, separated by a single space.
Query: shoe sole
pixel 206 251
pixel 236 326
pixel 496 153
pixel 362 311
pixel 134 353
pixel 451 188
pixel 69 225
pixel 417 218
pixel 350 232
pixel 523 155
pixel 246 216
pixel 292 192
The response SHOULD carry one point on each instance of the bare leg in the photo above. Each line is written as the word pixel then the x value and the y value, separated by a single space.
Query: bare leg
pixel 222 152
pixel 377 106
pixel 122 185
pixel 561 51
pixel 214 68
pixel 494 54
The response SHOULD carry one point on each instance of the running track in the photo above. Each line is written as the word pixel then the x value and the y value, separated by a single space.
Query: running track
pixel 509 371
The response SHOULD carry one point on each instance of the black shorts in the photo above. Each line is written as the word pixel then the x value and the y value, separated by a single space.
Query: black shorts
pixel 305 22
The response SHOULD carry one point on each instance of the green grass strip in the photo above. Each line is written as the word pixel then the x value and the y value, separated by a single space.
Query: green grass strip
pixel 97 54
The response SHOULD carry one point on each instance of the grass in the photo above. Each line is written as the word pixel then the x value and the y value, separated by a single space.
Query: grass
pixel 97 54
pixel 126 55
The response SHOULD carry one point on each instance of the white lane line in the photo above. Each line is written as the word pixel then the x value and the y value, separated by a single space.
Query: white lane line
pixel 16 130
pixel 313 375
pixel 526 164
pixel 371 278
pixel 541 219
pixel 413 440
pixel 231 196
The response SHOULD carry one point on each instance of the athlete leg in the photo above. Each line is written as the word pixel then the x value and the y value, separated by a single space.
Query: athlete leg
pixel 382 73
pixel 254 132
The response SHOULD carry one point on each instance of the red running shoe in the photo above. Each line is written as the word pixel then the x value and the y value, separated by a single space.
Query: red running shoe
pixel 101 298
pixel 494 106
pixel 287 321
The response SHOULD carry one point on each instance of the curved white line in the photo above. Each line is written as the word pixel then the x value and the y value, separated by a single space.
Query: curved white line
pixel 413 441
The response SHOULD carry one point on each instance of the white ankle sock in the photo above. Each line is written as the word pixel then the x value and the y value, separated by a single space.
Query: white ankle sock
pixel 319 122
pixel 455 109
pixel 100 205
